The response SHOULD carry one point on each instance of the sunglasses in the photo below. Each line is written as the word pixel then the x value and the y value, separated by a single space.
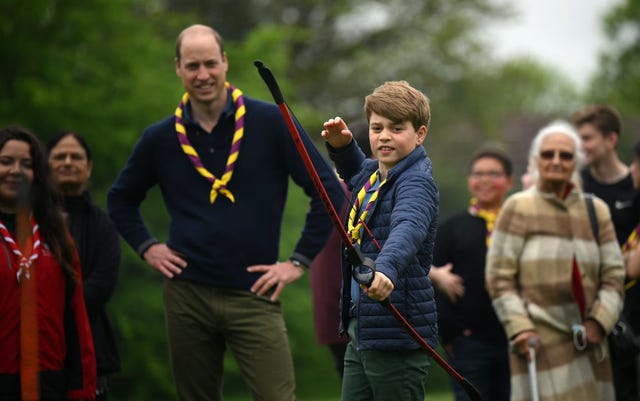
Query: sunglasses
pixel 550 154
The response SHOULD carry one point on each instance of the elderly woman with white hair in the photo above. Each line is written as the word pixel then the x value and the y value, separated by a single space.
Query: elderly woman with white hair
pixel 554 285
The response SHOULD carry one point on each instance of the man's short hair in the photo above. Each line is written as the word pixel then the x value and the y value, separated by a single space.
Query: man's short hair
pixel 496 154
pixel 201 28
pixel 399 101
pixel 604 117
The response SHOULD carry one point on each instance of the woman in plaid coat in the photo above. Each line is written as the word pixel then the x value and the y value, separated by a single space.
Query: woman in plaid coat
pixel 552 281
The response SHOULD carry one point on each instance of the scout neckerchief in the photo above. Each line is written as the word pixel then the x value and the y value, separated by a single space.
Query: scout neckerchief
pixel 25 261
pixel 27 253
pixel 631 243
pixel 489 217
pixel 219 184
pixel 355 222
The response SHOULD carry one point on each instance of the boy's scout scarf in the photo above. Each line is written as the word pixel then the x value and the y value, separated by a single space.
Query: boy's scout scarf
pixel 489 217
pixel 219 184
pixel 354 223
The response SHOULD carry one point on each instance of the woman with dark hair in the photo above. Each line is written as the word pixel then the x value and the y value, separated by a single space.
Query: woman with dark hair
pixel 97 242
pixel 45 339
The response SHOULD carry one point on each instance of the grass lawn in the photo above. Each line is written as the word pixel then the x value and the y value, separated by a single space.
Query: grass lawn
pixel 433 396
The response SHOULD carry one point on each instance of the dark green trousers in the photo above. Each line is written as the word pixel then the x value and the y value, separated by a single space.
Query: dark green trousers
pixel 382 375
pixel 202 321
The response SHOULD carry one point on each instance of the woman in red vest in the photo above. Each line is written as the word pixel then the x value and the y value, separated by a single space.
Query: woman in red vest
pixel 45 340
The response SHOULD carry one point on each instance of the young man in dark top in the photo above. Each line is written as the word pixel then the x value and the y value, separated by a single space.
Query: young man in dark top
pixel 606 176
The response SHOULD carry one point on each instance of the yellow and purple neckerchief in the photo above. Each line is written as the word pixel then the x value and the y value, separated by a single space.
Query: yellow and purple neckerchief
pixel 219 184
pixel 629 244
pixel 489 217
pixel 355 222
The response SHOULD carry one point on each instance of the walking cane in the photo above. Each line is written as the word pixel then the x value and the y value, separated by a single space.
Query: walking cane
pixel 533 373
pixel 363 270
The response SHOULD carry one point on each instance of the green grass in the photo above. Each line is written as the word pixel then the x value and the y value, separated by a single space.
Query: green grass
pixel 430 396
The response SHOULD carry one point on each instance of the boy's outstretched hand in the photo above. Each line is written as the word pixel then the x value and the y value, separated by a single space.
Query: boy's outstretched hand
pixel 336 133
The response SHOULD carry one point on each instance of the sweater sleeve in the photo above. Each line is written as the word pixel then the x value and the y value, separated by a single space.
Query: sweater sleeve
pixel 608 303
pixel 100 284
pixel 348 160
pixel 80 365
pixel 128 192
pixel 448 326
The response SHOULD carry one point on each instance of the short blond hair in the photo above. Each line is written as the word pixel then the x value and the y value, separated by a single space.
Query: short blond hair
pixel 399 101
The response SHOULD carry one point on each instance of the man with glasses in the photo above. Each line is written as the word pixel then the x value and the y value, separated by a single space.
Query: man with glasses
pixel 607 177
pixel 468 326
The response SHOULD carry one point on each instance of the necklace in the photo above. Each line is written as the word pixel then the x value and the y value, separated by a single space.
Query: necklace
pixel 219 184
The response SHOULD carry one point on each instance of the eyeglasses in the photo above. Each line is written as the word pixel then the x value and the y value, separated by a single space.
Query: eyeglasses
pixel 489 174
pixel 550 154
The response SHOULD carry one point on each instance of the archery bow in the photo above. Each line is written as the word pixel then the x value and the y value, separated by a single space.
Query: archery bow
pixel 363 268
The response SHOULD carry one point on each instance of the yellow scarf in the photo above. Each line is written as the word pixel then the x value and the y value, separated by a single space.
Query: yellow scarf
pixel 489 217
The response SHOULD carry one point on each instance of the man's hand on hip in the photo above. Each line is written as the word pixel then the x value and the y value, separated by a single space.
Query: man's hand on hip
pixel 278 275
pixel 165 260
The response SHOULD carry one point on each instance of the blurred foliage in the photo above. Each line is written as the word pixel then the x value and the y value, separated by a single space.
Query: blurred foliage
pixel 105 69
pixel 618 79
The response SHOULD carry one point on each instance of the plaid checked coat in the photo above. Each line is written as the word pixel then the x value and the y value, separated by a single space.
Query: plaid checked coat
pixel 528 276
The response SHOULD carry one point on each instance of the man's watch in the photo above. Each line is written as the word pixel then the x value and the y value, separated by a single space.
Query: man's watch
pixel 297 263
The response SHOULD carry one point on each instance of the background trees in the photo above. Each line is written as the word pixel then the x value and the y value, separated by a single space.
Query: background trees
pixel 618 79
pixel 105 69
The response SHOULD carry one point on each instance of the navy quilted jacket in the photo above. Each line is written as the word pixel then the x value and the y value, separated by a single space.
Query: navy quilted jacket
pixel 403 221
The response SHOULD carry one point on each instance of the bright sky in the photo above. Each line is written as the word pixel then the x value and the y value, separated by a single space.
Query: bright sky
pixel 566 34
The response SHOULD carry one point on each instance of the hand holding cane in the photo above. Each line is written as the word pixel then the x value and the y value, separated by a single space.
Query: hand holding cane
pixel 533 373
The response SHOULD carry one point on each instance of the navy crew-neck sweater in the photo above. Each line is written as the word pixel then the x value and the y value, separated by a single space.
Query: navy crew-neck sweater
pixel 220 240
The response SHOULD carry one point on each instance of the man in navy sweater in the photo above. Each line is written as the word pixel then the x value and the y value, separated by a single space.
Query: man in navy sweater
pixel 223 164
